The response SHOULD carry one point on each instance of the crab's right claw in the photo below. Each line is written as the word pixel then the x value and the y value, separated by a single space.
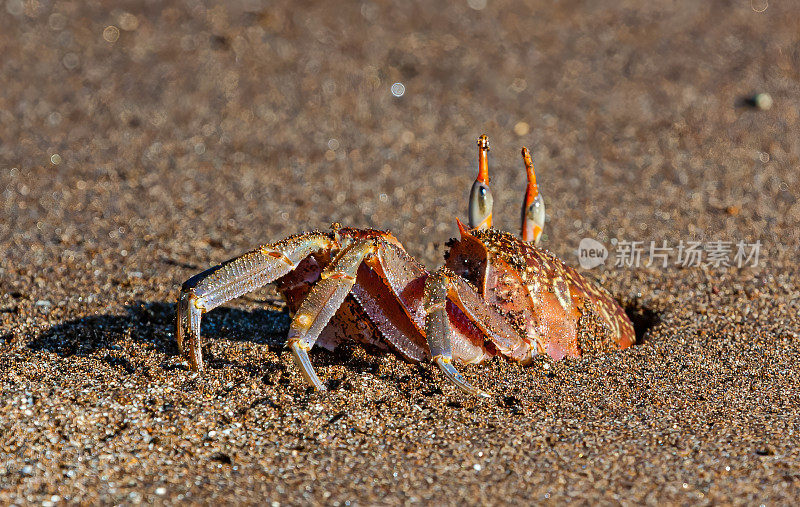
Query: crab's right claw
pixel 533 215
pixel 480 197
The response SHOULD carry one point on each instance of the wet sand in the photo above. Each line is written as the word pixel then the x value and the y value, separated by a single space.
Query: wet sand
pixel 141 143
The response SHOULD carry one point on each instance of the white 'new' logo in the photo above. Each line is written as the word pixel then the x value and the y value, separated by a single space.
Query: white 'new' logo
pixel 591 253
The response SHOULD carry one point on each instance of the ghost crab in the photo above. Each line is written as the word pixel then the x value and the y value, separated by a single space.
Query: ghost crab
pixel 495 295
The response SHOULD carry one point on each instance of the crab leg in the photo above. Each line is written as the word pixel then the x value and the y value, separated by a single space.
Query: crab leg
pixel 444 285
pixel 480 197
pixel 233 278
pixel 387 314
pixel 323 301
pixel 533 205
pixel 437 328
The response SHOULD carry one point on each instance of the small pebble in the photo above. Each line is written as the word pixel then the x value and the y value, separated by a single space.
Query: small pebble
pixel 763 101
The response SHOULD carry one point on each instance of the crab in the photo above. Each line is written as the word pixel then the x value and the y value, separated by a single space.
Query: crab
pixel 496 295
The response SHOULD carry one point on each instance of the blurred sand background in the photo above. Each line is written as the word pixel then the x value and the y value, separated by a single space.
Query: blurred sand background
pixel 141 142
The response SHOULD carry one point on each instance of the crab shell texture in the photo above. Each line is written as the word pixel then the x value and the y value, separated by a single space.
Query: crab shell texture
pixel 553 308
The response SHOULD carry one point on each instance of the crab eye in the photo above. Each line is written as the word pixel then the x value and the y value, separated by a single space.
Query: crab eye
pixel 480 206
pixel 536 211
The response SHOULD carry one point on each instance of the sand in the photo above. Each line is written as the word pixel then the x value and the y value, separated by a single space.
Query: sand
pixel 142 142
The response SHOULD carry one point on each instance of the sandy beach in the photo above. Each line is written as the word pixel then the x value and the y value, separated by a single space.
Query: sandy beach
pixel 142 142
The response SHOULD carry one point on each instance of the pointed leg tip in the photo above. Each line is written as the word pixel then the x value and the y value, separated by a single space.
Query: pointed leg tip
pixel 300 355
pixel 455 377
pixel 195 363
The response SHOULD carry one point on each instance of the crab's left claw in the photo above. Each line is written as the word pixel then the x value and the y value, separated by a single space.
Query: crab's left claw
pixel 480 197
pixel 533 214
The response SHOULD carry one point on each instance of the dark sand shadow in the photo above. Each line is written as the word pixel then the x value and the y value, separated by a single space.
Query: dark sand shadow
pixel 153 324
pixel 644 319
pixel 748 101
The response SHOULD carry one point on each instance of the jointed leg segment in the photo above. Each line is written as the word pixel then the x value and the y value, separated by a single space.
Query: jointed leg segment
pixel 444 285
pixel 437 330
pixel 234 278
pixel 322 303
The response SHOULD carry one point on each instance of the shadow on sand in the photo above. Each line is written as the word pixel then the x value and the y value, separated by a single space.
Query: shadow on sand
pixel 643 319
pixel 153 323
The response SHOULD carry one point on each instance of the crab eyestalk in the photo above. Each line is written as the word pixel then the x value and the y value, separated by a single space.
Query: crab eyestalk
pixel 533 214
pixel 480 197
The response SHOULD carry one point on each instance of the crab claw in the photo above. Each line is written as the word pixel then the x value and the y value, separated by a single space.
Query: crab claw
pixel 533 214
pixel 480 197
